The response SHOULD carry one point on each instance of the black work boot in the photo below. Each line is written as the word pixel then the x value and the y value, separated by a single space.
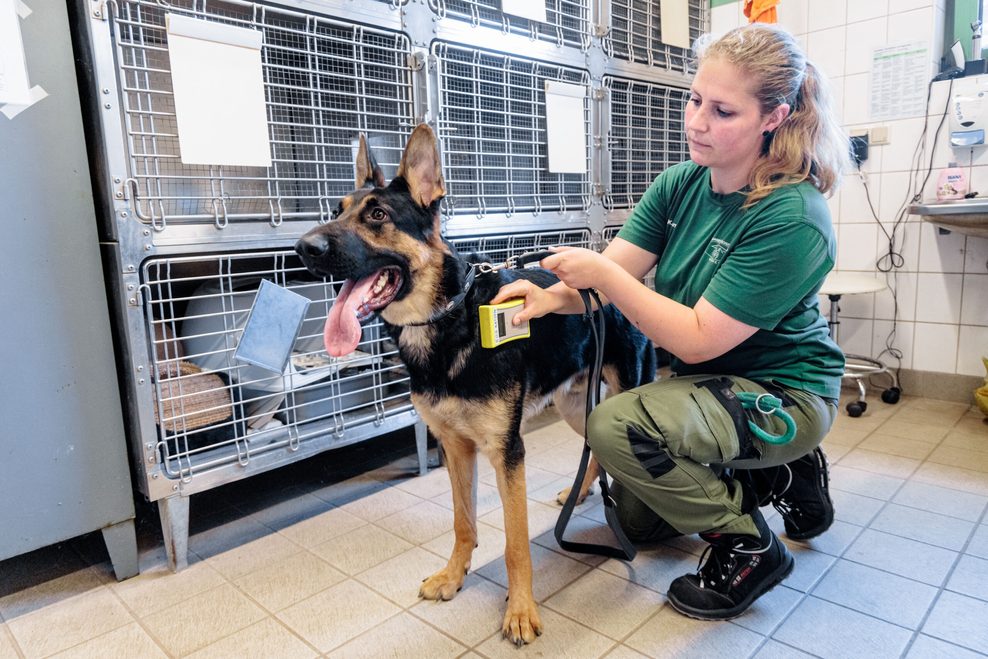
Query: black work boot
pixel 799 490
pixel 738 570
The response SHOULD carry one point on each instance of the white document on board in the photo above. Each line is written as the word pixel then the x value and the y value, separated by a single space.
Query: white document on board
pixel 533 10
pixel 566 127
pixel 219 93
pixel 674 19
pixel 14 85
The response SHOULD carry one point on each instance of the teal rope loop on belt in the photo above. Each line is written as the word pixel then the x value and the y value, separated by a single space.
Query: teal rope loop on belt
pixel 768 404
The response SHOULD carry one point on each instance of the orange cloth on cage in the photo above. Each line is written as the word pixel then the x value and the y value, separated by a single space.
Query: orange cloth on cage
pixel 761 11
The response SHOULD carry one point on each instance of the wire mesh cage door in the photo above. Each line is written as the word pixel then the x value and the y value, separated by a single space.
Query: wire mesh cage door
pixel 325 80
pixel 212 411
pixel 635 33
pixel 493 129
pixel 567 21
pixel 644 136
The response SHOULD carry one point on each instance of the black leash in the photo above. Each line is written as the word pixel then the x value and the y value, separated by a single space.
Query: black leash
pixel 626 551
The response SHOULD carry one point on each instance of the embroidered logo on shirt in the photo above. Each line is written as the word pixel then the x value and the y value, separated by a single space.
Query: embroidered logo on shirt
pixel 716 250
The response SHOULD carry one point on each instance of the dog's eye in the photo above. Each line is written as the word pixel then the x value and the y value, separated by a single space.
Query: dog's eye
pixel 379 215
pixel 335 214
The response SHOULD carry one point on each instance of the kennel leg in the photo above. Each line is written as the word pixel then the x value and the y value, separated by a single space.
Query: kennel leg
pixel 422 447
pixel 174 512
pixel 121 544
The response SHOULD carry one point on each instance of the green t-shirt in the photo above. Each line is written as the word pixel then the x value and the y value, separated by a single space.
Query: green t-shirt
pixel 762 266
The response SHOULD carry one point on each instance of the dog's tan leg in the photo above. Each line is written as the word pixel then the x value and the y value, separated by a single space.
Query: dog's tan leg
pixel 572 406
pixel 461 463
pixel 521 620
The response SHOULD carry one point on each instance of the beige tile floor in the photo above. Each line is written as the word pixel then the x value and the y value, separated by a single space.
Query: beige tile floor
pixel 326 560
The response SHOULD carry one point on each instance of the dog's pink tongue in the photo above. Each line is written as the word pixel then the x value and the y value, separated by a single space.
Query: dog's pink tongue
pixel 342 332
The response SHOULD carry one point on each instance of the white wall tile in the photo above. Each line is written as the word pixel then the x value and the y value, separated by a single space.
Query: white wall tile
pixel 826 49
pixel 893 194
pixel 823 15
pixel 940 252
pixel 793 15
pixel 857 105
pixel 862 39
pixel 903 307
pixel 938 97
pixel 854 202
pixel 862 11
pixel 978 180
pixel 897 6
pixel 854 335
pixel 836 87
pixel 856 246
pixel 907 237
pixel 857 306
pixel 974 306
pixel 904 136
pixel 973 346
pixel 938 298
pixel 935 347
pixel 902 340
pixel 976 255
pixel 724 18
pixel 915 25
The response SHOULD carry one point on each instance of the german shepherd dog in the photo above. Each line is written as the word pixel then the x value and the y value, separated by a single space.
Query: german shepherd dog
pixel 385 242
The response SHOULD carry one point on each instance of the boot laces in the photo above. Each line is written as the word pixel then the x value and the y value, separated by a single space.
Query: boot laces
pixel 723 560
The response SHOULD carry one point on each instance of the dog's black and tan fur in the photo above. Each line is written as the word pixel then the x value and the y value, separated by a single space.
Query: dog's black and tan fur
pixel 472 398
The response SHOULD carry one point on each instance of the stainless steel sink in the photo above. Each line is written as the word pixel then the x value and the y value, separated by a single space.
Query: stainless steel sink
pixel 968 216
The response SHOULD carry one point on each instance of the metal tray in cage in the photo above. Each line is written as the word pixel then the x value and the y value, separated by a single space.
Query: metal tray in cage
pixel 635 34
pixel 325 80
pixel 567 21
pixel 492 127
pixel 644 135
pixel 195 309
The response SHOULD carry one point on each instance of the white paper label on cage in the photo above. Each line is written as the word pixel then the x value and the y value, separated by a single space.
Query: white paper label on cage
pixel 674 23
pixel 219 93
pixel 14 85
pixel 566 127
pixel 533 10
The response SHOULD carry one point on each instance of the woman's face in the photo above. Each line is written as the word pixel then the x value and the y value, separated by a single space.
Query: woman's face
pixel 724 123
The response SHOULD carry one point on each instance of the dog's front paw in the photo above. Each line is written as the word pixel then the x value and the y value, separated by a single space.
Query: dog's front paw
pixel 443 585
pixel 521 621
pixel 564 495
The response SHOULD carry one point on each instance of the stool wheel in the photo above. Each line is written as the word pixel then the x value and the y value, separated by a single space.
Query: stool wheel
pixel 891 395
pixel 856 408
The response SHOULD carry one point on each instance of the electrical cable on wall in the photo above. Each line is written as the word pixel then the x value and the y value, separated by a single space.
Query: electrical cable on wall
pixel 891 261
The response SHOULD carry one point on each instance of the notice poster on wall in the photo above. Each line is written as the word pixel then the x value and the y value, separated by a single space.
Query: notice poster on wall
pixel 14 85
pixel 219 93
pixel 674 23
pixel 899 79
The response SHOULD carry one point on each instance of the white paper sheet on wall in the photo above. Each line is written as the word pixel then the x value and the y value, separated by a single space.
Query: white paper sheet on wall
pixel 674 21
pixel 531 9
pixel 219 93
pixel 566 128
pixel 14 85
pixel 899 79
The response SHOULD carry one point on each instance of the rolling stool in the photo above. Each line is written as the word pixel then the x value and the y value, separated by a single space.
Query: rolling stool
pixel 857 367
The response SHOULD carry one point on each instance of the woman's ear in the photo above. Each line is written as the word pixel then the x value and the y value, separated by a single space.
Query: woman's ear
pixel 776 117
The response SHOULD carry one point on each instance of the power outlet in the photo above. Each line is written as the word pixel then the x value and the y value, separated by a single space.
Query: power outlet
pixel 859 148
pixel 879 135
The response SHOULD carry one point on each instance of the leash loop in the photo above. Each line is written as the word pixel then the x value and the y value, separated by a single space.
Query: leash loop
pixel 772 407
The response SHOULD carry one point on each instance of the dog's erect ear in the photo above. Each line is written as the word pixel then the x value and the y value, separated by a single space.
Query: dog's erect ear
pixel 420 167
pixel 368 171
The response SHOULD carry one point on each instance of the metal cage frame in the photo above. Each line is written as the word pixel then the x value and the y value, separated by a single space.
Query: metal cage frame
pixel 333 68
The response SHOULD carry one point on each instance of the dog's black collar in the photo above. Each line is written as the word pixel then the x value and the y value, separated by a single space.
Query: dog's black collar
pixel 453 304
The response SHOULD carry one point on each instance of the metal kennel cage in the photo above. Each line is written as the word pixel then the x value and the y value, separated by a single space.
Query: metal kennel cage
pixel 186 246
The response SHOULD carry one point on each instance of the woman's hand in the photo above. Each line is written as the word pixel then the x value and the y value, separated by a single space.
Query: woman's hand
pixel 578 267
pixel 538 301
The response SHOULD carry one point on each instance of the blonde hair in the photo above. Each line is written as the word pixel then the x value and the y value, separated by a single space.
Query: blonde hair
pixel 809 144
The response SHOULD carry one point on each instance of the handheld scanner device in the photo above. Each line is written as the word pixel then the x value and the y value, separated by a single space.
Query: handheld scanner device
pixel 495 323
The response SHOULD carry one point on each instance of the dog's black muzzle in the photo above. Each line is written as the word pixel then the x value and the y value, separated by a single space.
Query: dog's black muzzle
pixel 312 248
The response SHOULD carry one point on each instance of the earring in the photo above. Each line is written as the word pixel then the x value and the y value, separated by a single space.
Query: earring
pixel 766 133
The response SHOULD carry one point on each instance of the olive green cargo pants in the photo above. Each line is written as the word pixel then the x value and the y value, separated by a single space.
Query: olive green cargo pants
pixel 666 444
